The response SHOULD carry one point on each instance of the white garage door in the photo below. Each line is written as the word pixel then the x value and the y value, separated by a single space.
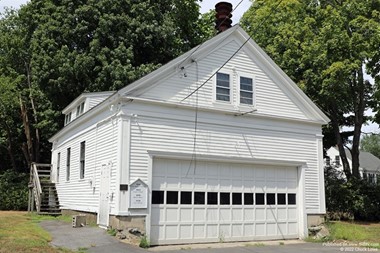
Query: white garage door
pixel 222 202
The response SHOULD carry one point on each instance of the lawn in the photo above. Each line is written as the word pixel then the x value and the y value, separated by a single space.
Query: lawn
pixel 20 233
pixel 360 233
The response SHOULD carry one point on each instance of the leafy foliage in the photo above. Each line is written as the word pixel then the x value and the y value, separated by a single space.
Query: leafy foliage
pixel 52 51
pixel 350 199
pixel 371 144
pixel 323 46
pixel 13 191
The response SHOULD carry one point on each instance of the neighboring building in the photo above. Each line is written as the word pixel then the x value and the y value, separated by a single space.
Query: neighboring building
pixel 240 159
pixel 369 164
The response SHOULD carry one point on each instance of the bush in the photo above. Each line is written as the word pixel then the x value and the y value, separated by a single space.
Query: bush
pixel 13 190
pixel 353 199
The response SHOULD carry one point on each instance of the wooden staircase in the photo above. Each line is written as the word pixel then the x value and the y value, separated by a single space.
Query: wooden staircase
pixel 42 192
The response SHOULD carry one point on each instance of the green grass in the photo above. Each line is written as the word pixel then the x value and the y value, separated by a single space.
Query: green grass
pixel 366 235
pixel 20 233
pixel 355 232
pixel 112 232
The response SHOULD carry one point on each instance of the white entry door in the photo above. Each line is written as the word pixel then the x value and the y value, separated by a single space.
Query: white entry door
pixel 103 215
pixel 219 201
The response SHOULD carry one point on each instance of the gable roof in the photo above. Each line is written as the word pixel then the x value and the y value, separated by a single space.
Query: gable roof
pixel 367 161
pixel 202 50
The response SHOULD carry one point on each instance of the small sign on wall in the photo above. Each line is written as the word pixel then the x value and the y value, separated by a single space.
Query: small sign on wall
pixel 138 194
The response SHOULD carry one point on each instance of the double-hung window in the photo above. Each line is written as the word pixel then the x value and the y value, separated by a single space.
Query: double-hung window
pixel 68 154
pixel 82 159
pixel 223 87
pixel 68 118
pixel 246 90
pixel 58 165
pixel 80 109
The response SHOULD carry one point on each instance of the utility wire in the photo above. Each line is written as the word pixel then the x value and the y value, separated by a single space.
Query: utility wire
pixel 245 42
pixel 217 28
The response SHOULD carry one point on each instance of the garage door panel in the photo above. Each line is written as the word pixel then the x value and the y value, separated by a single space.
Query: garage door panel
pixel 212 231
pixel 185 231
pixel 186 214
pixel 219 201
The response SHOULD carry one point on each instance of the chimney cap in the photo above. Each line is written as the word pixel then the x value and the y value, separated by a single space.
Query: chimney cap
pixel 223 16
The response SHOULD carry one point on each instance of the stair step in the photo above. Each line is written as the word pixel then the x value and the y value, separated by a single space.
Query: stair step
pixel 48 213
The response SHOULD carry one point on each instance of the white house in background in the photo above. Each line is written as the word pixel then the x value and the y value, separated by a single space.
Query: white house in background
pixel 369 164
pixel 240 159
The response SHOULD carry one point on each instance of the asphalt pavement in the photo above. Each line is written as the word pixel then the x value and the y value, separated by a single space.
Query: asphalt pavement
pixel 94 239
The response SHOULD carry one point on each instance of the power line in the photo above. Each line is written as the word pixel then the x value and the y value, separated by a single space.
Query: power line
pixel 245 42
pixel 217 28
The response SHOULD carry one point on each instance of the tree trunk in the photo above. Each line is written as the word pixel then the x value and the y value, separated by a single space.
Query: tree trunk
pixel 359 108
pixel 37 134
pixel 29 142
pixel 340 144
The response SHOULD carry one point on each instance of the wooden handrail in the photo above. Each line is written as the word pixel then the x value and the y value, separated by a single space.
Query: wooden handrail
pixel 37 186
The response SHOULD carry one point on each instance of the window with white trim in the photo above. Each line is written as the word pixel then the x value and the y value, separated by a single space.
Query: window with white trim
pixel 246 90
pixel 80 109
pixel 223 87
pixel 82 159
pixel 58 165
pixel 67 118
pixel 68 156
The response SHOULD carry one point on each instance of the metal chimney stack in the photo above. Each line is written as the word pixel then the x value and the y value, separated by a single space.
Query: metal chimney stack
pixel 223 16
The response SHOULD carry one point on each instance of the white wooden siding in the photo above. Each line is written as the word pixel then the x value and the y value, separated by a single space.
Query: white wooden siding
pixel 94 101
pixel 101 144
pixel 271 98
pixel 163 131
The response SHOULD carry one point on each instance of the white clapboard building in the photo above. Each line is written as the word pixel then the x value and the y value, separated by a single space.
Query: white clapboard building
pixel 196 152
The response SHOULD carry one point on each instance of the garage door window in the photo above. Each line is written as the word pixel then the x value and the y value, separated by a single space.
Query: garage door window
pixel 212 198
pixel 172 197
pixel 224 198
pixel 291 199
pixel 248 198
pixel 199 198
pixel 186 198
pixel 157 197
pixel 236 198
pixel 281 199
pixel 271 199
pixel 260 199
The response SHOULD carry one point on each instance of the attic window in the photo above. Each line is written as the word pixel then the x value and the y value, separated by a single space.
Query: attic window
pixel 246 90
pixel 68 118
pixel 80 109
pixel 222 87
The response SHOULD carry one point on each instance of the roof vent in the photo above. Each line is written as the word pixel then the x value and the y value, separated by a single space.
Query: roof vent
pixel 223 16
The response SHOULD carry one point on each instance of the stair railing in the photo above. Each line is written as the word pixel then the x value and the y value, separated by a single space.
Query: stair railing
pixel 35 187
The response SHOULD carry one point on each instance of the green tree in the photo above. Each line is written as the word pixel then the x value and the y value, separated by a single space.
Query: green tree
pixel 323 46
pixel 371 144
pixel 51 51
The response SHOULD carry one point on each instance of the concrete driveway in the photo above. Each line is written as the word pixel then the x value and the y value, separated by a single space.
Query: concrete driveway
pixel 95 239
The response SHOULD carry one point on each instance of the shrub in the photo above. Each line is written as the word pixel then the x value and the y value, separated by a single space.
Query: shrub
pixel 13 190
pixel 353 199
